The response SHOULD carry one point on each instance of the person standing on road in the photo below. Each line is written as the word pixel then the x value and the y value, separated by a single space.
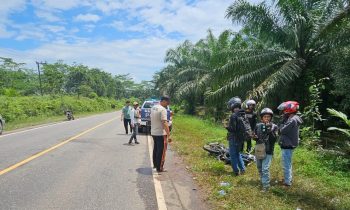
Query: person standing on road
pixel 126 116
pixel 160 132
pixel 238 130
pixel 289 136
pixel 135 116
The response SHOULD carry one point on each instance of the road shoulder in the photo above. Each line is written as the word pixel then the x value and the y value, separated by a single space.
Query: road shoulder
pixel 179 188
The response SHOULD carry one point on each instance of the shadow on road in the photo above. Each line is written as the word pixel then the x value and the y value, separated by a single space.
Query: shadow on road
pixel 127 144
pixel 144 171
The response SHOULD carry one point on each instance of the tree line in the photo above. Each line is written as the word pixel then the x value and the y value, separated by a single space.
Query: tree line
pixel 63 79
pixel 281 50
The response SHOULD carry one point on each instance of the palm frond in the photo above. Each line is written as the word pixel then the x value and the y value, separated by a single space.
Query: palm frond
pixel 330 26
pixel 249 60
pixel 256 18
pixel 339 115
pixel 283 76
pixel 187 88
pixel 244 81
pixel 342 130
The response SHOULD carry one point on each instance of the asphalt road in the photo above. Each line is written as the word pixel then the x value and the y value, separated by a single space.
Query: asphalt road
pixel 96 170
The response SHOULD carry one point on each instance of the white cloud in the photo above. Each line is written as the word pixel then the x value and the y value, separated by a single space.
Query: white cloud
pixel 123 26
pixel 47 15
pixel 88 17
pixel 108 6
pixel 4 33
pixel 190 20
pixel 156 20
pixel 53 28
pixel 89 27
pixel 58 4
pixel 139 57
pixel 6 8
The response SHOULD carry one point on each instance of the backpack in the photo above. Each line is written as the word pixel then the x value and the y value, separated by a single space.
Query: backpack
pixel 244 129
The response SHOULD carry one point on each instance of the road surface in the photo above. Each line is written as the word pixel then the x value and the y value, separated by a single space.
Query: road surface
pixel 94 169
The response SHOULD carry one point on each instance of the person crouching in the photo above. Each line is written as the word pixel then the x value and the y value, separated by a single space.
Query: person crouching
pixel 265 136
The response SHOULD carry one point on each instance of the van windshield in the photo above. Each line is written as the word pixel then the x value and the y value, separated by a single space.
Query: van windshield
pixel 150 104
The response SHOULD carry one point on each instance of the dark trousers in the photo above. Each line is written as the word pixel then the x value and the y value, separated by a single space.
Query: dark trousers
pixel 159 150
pixel 126 122
pixel 249 146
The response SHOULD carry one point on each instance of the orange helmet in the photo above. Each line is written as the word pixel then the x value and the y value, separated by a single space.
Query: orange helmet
pixel 289 107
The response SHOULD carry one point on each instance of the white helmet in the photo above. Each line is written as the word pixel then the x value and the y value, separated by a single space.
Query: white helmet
pixel 250 102
pixel 266 111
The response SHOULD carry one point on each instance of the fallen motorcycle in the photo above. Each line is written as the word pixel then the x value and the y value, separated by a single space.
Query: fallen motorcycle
pixel 222 153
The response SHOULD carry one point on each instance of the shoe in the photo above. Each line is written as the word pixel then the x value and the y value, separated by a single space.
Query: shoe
pixel 136 142
pixel 286 185
pixel 129 142
pixel 242 173
pixel 163 170
pixel 236 173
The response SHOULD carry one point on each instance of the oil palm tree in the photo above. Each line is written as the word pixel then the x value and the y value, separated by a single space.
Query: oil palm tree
pixel 298 36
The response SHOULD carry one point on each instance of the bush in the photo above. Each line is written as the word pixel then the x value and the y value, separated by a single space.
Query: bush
pixel 18 108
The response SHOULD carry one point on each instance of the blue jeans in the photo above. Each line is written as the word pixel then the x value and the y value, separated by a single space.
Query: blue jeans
pixel 263 166
pixel 287 165
pixel 135 131
pixel 236 158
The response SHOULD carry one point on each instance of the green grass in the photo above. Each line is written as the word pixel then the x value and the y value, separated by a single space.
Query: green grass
pixel 318 182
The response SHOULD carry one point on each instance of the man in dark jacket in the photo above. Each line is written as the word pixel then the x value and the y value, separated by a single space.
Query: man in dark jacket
pixel 238 129
pixel 289 136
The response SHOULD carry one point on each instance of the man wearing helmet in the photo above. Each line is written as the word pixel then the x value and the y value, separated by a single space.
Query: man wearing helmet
pixel 238 129
pixel 289 140
pixel 265 135
pixel 251 115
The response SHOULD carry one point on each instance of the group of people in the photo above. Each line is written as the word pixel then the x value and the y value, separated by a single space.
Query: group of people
pixel 243 127
pixel 159 128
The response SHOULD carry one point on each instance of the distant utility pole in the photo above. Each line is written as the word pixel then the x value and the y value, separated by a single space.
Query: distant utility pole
pixel 38 63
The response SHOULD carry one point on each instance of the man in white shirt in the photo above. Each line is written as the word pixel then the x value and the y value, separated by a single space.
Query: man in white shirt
pixel 160 132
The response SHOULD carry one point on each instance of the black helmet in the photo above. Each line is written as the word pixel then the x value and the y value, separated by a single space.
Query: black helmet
pixel 234 102
pixel 266 111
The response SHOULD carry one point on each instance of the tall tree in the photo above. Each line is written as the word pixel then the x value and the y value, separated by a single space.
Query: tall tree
pixel 299 39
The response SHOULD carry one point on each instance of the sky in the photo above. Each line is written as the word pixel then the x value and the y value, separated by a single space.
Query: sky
pixel 117 36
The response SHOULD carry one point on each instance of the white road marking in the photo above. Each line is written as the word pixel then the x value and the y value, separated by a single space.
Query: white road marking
pixel 36 128
pixel 157 186
pixel 45 126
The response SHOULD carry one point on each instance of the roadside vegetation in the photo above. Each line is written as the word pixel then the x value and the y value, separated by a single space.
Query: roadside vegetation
pixel 27 98
pixel 286 51
pixel 321 181
pixel 23 111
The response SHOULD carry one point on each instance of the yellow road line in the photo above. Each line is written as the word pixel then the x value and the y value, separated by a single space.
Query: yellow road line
pixel 50 149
